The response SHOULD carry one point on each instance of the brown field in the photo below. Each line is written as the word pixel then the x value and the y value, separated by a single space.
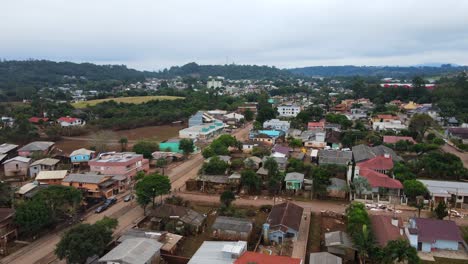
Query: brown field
pixel 152 133
pixel 128 100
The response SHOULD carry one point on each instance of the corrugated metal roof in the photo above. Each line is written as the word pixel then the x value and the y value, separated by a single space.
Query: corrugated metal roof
pixel 134 251
pixel 46 161
pixel 37 145
pixel 18 158
pixel 82 151
pixel 232 224
pixel 324 258
pixel 294 176
pixel 211 252
pixel 51 175
pixel 85 178
pixel 5 147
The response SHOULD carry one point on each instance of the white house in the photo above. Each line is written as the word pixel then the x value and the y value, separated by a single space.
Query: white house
pixel 427 234
pixel 289 110
pixel 391 125
pixel 204 131
pixel 67 121
pixel 277 125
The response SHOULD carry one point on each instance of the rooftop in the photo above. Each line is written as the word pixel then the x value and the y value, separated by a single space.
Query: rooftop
pixel 259 258
pixel 232 224
pixel 116 157
pixel 5 148
pixel 51 175
pixel 430 230
pixel 334 157
pixel 377 179
pixel 46 162
pixel 218 252
pixel 324 258
pixel 37 146
pixel 294 176
pixel 446 188
pixel 363 152
pixel 286 214
pixel 383 229
pixel 82 151
pixel 377 163
pixel 133 250
pixel 86 178
pixel 19 159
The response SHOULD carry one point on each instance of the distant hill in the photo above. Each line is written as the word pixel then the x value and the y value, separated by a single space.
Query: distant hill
pixel 230 71
pixel 383 71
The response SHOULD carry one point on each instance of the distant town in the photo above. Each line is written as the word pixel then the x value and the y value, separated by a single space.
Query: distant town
pixel 199 169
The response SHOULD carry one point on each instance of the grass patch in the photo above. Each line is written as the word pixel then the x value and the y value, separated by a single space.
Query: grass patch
pixel 127 100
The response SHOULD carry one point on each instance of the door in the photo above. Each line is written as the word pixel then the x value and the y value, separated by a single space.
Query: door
pixel 419 246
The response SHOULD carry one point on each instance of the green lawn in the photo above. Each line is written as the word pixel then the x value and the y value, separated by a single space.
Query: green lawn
pixel 128 100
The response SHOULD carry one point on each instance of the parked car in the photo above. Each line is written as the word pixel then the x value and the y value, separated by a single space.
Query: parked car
pixel 110 201
pixel 101 208
pixel 128 198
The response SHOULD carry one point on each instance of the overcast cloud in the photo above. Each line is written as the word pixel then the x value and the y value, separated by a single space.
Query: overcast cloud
pixel 153 34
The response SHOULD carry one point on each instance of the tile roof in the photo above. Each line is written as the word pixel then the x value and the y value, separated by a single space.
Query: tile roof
pixel 85 178
pixel 363 152
pixel 383 229
pixel 38 119
pixel 281 149
pixel 67 119
pixel 395 139
pixel 232 224
pixel 259 258
pixel 286 214
pixel 334 157
pixel 377 179
pixel 133 250
pixel 430 230
pixel 377 163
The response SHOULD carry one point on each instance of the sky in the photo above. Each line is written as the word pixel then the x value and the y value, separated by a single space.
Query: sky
pixel 155 34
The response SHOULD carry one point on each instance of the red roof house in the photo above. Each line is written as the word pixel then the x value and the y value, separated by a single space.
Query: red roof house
pixel 386 229
pixel 253 257
pixel 379 180
pixel 36 120
pixel 381 164
pixel 316 125
pixel 395 139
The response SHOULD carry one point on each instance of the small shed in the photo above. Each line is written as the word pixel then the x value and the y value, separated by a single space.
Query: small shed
pixel 231 228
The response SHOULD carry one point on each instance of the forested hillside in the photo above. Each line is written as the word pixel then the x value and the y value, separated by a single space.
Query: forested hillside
pixel 383 71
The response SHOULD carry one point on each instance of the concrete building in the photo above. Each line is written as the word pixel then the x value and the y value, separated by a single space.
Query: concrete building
pixel 16 167
pixel 277 124
pixel 47 164
pixel 81 155
pixel 51 177
pixel 289 110
pixel 119 163
pixel 219 252
pixel 67 121
pixel 205 131
pixel 134 251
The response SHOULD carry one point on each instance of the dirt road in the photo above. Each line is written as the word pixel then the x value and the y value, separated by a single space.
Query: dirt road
pixel 462 155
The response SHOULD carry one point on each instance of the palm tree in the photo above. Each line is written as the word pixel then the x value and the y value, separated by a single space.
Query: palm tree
pixel 400 251
pixel 364 243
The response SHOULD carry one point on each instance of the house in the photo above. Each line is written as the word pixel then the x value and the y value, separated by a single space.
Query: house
pixel 333 139
pixel 281 151
pixel 282 161
pixel 460 133
pixel 294 181
pixel 283 222
pixel 8 231
pixel 204 131
pixel 28 190
pixel 36 147
pixel 67 121
pixel 264 138
pixel 364 152
pixel 384 118
pixel 47 164
pixel 231 228
pixel 324 257
pixel 337 157
pixel 235 117
pixel 134 251
pixel 395 139
pixel 386 228
pixel 259 258
pixel 218 252
pixel 428 234
pixel 332 127
pixel 182 217
pixel 277 124
pixel 170 241
pixel 17 166
pixel 253 162
pixel 395 125
pixel 271 133
pixel 234 178
pixel 357 114
pixel 81 155
pixel 38 120
pixel 410 106
pixel 119 163
pixel 445 190
pixel 339 108
pixel 247 146
pixel 224 158
pixel 94 186
pixel 51 177
pixel 384 189
pixel 7 151
pixel 316 125
pixel 172 145
pixel 338 242
pixel 252 106
pixel 382 164
pixel 289 110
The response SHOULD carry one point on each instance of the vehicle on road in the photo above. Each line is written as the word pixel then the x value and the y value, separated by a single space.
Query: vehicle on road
pixel 110 201
pixel 128 198
pixel 101 208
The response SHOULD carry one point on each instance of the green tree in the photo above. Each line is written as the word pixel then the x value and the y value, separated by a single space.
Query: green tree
pixel 61 200
pixel 5 194
pixel 250 180
pixel 226 198
pixel 208 152
pixel 123 143
pixel 260 151
pixel 151 186
pixel 271 166
pixel 360 185
pixel 413 188
pixel 187 146
pixel 402 172
pixel 85 240
pixel 320 181
pixel 400 251
pixel 441 165
pixel 215 166
pixel 295 143
pixel 146 148
pixel 32 216
pixel 441 210
pixel 248 115
pixel 420 123
pixel 161 163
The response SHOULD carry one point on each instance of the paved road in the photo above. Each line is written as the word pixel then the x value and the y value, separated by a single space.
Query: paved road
pixel 41 251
